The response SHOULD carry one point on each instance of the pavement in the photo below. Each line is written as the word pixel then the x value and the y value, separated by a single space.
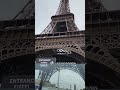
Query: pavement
pixel 51 88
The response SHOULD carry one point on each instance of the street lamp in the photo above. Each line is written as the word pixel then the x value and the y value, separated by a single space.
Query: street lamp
pixel 58 69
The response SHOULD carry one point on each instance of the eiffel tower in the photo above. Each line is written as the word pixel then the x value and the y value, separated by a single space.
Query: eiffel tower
pixel 101 48
pixel 17 44
pixel 63 21
pixel 62 35
pixel 62 40
pixel 27 12
pixel 22 27
pixel 94 6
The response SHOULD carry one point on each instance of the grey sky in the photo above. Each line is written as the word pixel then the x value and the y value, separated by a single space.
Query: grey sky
pixel 111 4
pixel 67 78
pixel 9 8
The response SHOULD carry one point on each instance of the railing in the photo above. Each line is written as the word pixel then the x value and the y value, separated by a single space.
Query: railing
pixel 104 30
pixel 61 34
pixel 17 24
pixel 103 17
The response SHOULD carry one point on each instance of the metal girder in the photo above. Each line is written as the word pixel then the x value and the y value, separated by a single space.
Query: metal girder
pixel 27 12
pixel 63 7
pixel 53 68
pixel 94 6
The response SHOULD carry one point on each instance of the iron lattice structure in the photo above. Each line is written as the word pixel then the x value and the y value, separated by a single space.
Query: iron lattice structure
pixel 17 43
pixel 62 25
pixel 94 6
pixel 27 12
pixel 63 17
pixel 45 73
pixel 102 42
pixel 64 7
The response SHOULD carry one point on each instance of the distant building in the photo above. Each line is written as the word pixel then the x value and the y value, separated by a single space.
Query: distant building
pixel 74 86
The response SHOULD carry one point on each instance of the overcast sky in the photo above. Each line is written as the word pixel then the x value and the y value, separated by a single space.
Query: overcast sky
pixel 67 78
pixel 111 4
pixel 10 8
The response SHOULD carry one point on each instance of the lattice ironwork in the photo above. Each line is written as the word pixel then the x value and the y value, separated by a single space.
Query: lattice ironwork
pixel 16 38
pixel 48 72
pixel 98 47
pixel 63 8
pixel 67 43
